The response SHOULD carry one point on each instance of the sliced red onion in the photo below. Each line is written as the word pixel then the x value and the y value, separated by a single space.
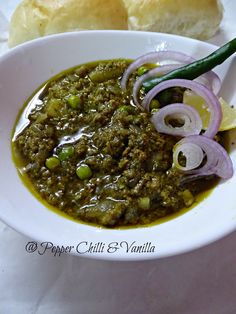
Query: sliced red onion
pixel 154 57
pixel 217 161
pixel 211 100
pixel 192 123
pixel 193 154
pixel 213 81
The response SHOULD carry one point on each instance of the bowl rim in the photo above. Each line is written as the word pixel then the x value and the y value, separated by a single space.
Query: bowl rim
pixel 188 246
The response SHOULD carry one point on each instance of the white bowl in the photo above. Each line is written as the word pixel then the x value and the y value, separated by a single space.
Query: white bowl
pixel 24 69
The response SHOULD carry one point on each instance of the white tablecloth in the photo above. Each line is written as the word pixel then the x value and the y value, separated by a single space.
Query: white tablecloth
pixel 200 282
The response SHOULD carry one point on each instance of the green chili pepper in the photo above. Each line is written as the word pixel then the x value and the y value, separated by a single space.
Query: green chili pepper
pixel 197 68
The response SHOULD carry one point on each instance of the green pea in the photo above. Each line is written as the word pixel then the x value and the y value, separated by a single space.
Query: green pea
pixel 84 172
pixel 154 104
pixel 66 152
pixel 144 202
pixel 74 101
pixel 52 162
pixel 142 70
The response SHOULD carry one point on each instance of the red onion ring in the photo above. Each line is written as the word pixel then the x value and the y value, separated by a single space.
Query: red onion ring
pixel 213 80
pixel 192 121
pixel 218 161
pixel 193 154
pixel 212 101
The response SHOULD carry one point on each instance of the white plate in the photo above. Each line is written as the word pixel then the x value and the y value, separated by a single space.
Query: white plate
pixel 24 69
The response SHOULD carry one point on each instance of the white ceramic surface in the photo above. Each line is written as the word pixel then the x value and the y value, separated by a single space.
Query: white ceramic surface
pixel 23 69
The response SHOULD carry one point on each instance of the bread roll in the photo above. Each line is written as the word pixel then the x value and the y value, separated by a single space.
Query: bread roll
pixel 193 18
pixel 36 18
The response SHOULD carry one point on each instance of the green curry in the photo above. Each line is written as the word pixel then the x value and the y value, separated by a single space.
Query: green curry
pixel 89 152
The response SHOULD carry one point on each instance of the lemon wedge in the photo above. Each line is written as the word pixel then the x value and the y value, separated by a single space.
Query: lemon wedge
pixel 229 113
